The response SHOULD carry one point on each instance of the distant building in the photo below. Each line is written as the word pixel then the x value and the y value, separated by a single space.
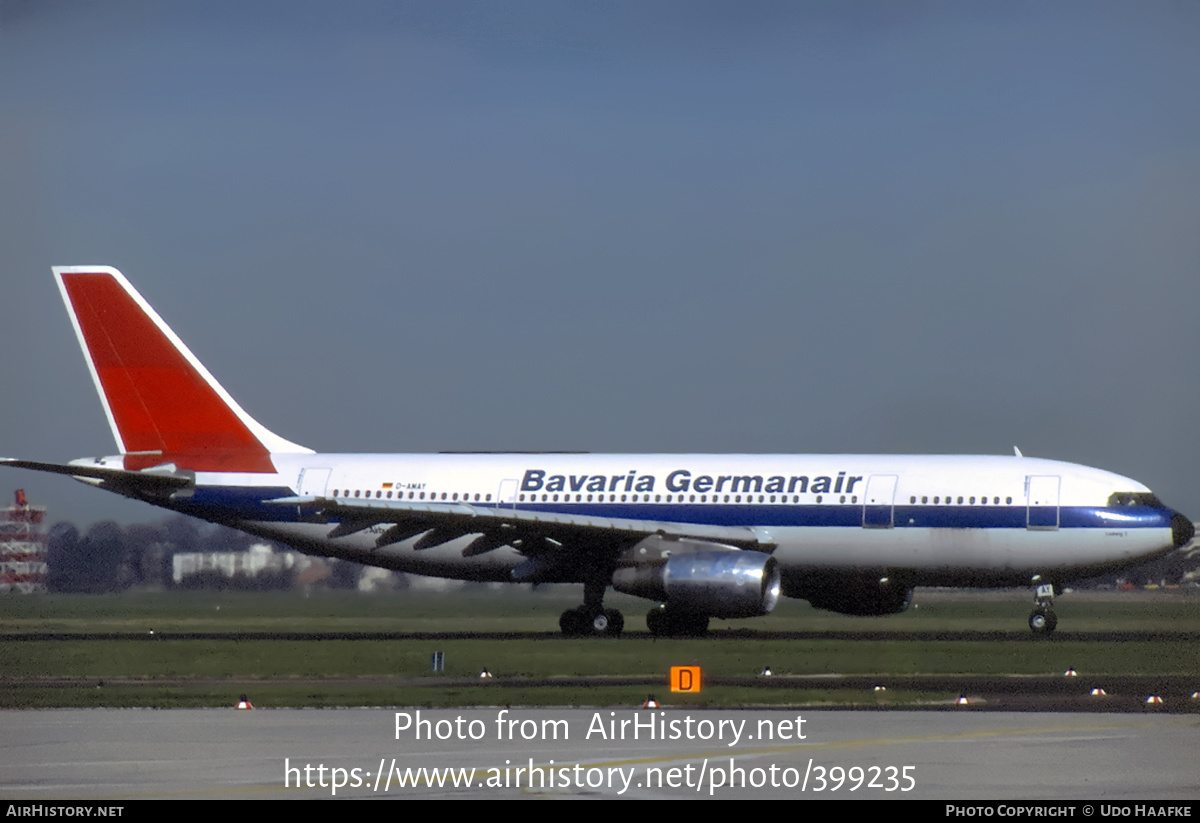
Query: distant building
pixel 22 547
pixel 259 557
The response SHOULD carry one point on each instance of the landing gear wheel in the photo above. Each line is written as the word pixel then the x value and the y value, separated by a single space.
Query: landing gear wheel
pixel 1043 621
pixel 573 623
pixel 616 622
pixel 578 622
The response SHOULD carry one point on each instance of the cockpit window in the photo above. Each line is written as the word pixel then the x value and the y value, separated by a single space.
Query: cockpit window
pixel 1117 499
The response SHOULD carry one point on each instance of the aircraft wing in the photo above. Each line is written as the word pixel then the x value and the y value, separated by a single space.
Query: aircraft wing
pixel 533 533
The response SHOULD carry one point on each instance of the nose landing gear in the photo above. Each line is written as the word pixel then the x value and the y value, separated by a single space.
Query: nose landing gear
pixel 1043 620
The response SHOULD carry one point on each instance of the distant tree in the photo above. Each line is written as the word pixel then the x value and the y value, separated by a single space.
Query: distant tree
pixel 95 563
pixel 104 549
pixel 210 579
pixel 65 571
pixel 183 534
pixel 149 557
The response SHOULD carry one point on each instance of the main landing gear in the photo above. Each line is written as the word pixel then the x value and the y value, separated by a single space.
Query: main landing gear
pixel 581 622
pixel 592 619
pixel 1043 620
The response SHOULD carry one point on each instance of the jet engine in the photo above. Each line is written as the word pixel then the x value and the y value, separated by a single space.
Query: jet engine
pixel 706 579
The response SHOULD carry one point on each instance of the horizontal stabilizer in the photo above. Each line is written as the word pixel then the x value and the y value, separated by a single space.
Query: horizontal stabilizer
pixel 149 480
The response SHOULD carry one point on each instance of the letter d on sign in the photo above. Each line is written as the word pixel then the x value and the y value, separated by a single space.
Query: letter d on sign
pixel 685 678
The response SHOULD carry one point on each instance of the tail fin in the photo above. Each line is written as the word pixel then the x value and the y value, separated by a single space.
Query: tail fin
pixel 162 404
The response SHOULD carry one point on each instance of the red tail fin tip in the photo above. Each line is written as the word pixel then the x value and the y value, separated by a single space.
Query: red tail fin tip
pixel 162 404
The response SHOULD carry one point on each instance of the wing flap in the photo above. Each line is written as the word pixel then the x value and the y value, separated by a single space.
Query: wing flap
pixel 467 519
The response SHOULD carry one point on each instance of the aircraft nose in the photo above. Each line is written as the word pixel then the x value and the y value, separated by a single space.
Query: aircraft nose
pixel 1182 530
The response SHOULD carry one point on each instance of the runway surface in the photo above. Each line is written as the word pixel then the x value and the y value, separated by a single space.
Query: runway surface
pixel 110 754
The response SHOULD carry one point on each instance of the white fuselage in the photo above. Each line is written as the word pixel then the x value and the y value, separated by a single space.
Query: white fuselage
pixel 961 520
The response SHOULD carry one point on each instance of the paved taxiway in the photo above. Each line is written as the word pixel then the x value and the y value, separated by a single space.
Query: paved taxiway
pixel 135 754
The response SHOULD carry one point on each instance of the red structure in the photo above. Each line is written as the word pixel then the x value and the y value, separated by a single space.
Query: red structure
pixel 22 547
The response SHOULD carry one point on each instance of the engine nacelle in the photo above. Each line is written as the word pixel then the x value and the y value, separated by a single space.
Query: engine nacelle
pixel 864 595
pixel 717 583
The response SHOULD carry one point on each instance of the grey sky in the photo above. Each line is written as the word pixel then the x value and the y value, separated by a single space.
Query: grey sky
pixel 764 227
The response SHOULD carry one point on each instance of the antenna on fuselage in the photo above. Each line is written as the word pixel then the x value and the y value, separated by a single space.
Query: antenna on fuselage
pixel 1017 452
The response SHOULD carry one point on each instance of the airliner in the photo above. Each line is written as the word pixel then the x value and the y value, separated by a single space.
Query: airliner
pixel 703 535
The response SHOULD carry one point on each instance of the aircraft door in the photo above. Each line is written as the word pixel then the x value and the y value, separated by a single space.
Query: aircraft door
pixel 313 482
pixel 1042 512
pixel 508 493
pixel 877 501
